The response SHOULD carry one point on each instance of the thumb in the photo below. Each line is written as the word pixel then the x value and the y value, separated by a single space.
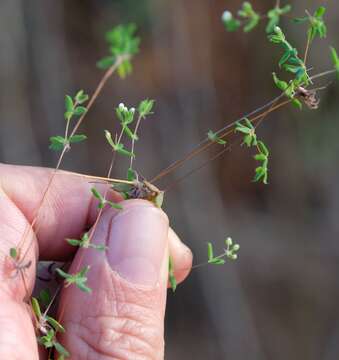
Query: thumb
pixel 123 316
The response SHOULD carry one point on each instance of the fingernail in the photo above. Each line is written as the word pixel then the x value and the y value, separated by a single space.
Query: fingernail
pixel 137 242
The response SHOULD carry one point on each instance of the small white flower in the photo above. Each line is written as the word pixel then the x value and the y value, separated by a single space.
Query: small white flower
pixel 227 16
pixel 121 106
pixel 132 110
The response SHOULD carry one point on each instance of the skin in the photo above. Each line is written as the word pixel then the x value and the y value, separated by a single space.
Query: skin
pixel 123 317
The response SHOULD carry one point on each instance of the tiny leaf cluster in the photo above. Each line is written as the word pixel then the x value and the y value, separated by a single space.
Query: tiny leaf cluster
pixel 230 252
pixel 79 279
pixel 123 44
pixel 249 18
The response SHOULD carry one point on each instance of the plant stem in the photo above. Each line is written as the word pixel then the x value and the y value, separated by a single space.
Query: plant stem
pixel 207 262
pixel 96 93
pixel 308 44
pixel 133 140
pixel 227 148
pixel 94 227
pixel 92 177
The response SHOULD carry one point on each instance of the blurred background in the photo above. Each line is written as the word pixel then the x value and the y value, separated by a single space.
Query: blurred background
pixel 280 299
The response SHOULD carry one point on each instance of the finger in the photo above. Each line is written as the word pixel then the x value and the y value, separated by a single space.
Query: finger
pixel 67 210
pixel 181 256
pixel 123 317
pixel 17 336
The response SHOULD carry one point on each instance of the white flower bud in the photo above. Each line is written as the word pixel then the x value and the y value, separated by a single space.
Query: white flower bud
pixel 236 247
pixel 228 241
pixel 226 16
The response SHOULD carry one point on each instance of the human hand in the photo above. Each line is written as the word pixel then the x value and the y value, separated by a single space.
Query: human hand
pixel 123 317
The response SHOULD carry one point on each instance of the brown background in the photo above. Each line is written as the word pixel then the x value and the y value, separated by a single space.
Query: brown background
pixel 280 300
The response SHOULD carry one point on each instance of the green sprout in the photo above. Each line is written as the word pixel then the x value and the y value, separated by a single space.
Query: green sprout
pixel 289 60
pixel 79 279
pixel 246 127
pixel 48 327
pixel 335 59
pixel 123 44
pixel 231 24
pixel 117 146
pixel 145 108
pixel 13 253
pixel 317 26
pixel 252 17
pixel 289 89
pixel 230 252
pixel 85 243
pixel 274 16
pixel 102 203
pixel 73 108
pixel 171 277
pixel 261 172
pixel 212 136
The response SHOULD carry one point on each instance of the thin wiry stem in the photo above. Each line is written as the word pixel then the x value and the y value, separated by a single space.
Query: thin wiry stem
pixel 94 227
pixel 206 143
pixel 227 148
pixel 96 93
pixel 202 144
pixel 221 256
pixel 308 44
pixel 133 140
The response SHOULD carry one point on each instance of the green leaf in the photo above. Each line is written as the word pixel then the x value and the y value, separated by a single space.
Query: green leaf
pixel 80 110
pixel 252 17
pixel 262 148
pixel 81 97
pixel 74 242
pixel 56 325
pixel 274 17
pixel 109 139
pixel 320 12
pixel 13 253
pixel 217 261
pixel 114 205
pixel 61 350
pixel 215 138
pixel 335 59
pixel 231 24
pixel 79 279
pixel 280 84
pixel 57 143
pixel 120 149
pixel 77 138
pixel 210 251
pixel 297 103
pixel 125 69
pixel 45 297
pixel 69 106
pixel 145 108
pixel 172 279
pixel 36 307
pixel 130 134
pixel 211 259
pixel 131 174
pixel 251 24
pixel 122 40
pixel 97 194
pixel 106 62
